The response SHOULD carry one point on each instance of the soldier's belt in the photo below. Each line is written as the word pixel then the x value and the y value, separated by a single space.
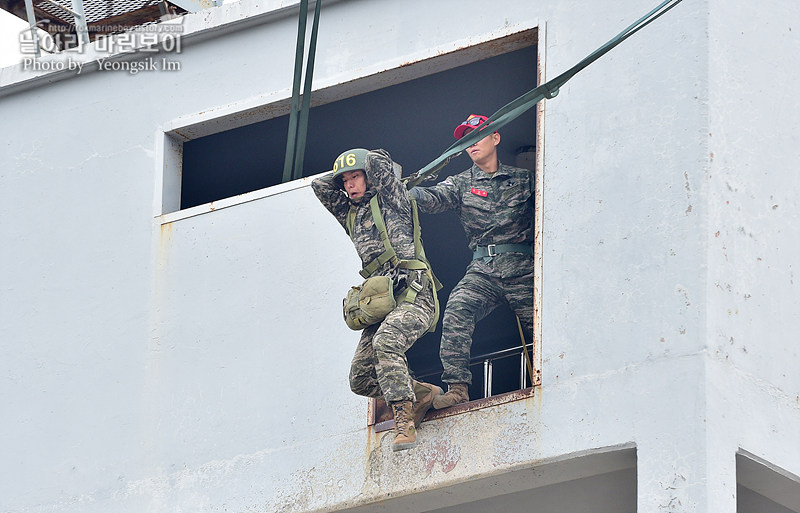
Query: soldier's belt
pixel 495 249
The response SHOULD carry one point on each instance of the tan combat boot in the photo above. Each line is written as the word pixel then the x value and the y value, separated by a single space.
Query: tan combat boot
pixel 457 393
pixel 405 434
pixel 424 393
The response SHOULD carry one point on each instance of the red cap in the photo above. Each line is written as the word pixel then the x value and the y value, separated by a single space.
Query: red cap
pixel 472 122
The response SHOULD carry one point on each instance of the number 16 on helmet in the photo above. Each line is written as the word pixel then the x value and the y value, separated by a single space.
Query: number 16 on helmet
pixel 350 160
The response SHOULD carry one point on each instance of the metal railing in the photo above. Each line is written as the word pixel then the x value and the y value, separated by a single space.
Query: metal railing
pixel 485 363
pixel 488 367
pixel 77 12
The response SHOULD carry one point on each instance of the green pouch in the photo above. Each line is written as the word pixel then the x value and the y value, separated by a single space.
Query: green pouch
pixel 369 303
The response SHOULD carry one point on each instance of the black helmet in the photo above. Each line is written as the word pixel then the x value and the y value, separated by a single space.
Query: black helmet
pixel 350 160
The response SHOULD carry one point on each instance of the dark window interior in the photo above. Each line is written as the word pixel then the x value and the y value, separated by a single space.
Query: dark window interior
pixel 414 121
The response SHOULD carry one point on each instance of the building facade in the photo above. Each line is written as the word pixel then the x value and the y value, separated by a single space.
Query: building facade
pixel 169 311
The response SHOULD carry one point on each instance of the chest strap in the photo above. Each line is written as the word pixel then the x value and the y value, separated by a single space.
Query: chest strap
pixel 424 275
pixel 389 254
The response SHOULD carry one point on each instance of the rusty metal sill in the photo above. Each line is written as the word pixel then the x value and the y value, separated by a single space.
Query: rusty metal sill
pixel 380 410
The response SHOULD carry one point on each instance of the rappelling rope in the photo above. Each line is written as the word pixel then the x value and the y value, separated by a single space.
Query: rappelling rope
pixel 528 100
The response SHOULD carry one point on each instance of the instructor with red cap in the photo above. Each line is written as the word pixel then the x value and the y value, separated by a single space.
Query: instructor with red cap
pixel 495 203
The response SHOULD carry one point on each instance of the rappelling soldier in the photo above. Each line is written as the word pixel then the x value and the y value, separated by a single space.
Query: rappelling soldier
pixel 397 303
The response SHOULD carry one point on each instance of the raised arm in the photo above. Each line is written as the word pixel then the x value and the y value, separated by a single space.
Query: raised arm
pixel 332 197
pixel 381 177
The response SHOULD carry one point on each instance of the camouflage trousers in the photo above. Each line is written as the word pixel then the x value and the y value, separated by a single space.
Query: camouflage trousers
pixel 475 296
pixel 379 366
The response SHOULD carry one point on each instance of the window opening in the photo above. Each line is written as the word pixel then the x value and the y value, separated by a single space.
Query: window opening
pixel 497 360
pixel 414 121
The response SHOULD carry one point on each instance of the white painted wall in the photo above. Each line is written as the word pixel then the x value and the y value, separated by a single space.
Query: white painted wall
pixel 752 235
pixel 201 365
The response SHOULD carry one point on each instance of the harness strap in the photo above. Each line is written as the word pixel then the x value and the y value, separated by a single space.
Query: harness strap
pixel 419 264
pixel 389 254
pixel 419 250
pixel 495 249
pixel 528 361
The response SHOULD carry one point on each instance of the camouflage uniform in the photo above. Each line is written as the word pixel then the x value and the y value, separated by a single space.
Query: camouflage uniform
pixel 379 366
pixel 494 208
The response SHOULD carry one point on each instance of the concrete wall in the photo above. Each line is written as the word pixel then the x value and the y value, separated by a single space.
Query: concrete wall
pixel 752 235
pixel 200 365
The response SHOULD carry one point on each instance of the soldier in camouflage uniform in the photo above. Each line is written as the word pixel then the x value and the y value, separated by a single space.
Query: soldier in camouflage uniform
pixel 495 204
pixel 379 366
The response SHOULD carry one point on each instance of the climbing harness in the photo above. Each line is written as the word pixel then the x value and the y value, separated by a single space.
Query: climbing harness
pixel 416 281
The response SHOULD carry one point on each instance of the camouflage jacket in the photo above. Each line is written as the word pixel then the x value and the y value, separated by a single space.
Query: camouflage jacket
pixel 395 205
pixel 494 208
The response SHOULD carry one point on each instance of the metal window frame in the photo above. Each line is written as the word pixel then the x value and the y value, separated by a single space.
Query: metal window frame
pixel 379 414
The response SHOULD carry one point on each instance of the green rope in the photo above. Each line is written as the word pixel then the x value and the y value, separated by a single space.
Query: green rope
pixel 296 138
pixel 548 90
pixel 298 69
pixel 303 128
